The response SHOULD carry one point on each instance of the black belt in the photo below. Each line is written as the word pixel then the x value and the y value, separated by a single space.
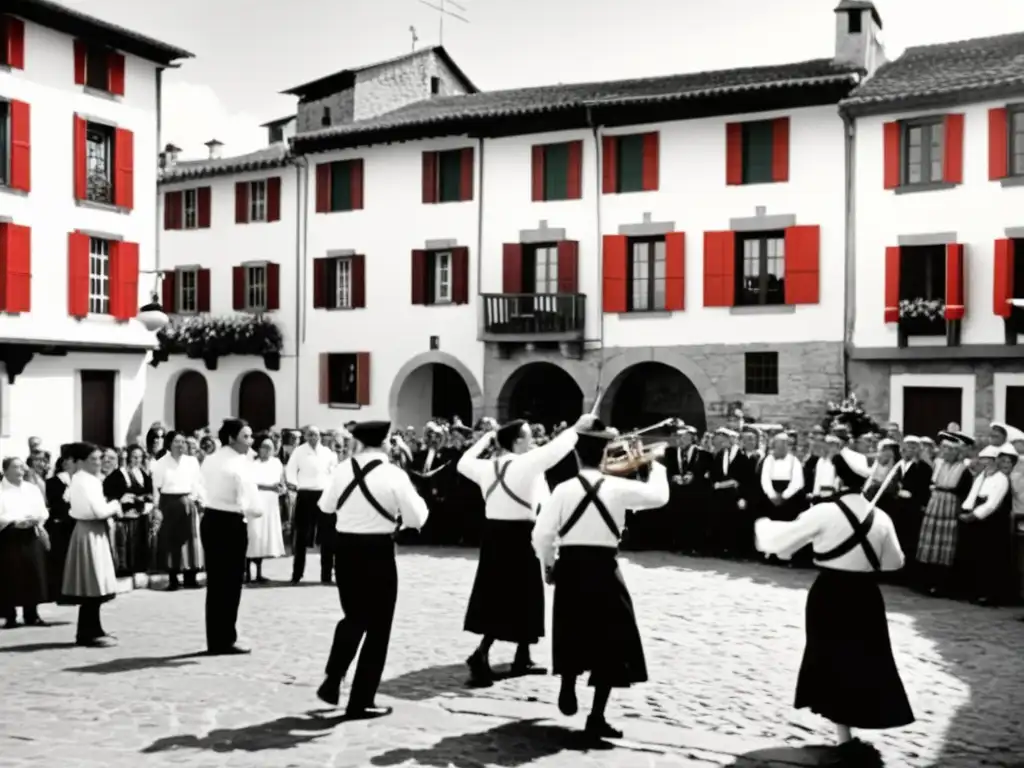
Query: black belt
pixel 232 513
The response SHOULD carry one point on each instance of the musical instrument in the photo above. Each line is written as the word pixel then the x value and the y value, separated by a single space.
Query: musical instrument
pixel 629 453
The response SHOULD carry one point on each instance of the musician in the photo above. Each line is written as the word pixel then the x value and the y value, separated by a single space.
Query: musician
pixel 507 602
pixel 307 473
pixel 688 466
pixel 848 674
pixel 594 626
pixel 729 468
pixel 369 498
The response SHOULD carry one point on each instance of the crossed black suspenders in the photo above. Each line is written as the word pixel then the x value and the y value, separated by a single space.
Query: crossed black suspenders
pixel 359 474
pixel 859 538
pixel 590 498
pixel 499 482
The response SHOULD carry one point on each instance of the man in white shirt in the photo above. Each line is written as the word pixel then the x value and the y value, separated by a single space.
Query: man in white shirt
pixel 308 472
pixel 372 498
pixel 230 495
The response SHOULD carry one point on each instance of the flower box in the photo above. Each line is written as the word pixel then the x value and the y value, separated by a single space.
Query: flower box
pixel 922 317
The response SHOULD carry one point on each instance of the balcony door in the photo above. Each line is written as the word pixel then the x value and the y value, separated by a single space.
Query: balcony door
pixel 540 276
pixel 929 410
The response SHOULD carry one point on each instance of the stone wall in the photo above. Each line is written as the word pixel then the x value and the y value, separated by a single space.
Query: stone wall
pixel 341 104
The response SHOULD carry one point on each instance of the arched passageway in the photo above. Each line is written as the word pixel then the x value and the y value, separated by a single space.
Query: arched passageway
pixel 191 402
pixel 433 391
pixel 649 392
pixel 542 393
pixel 257 401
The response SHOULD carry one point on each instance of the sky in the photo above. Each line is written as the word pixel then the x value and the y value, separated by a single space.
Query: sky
pixel 247 51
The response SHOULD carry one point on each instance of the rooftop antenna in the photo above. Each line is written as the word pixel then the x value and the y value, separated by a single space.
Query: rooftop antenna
pixel 442 8
pixel 415 37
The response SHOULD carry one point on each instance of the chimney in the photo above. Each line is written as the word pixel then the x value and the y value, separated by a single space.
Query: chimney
pixel 859 35
pixel 214 146
pixel 169 157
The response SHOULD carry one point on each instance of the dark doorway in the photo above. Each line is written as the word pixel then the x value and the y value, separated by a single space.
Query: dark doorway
pixel 651 392
pixel 257 403
pixel 450 395
pixel 929 410
pixel 191 402
pixel 1014 415
pixel 542 393
pixel 98 397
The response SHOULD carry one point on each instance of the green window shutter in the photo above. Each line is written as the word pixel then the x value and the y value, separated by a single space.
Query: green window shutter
pixel 449 172
pixel 341 186
pixel 556 172
pixel 631 163
pixel 757 151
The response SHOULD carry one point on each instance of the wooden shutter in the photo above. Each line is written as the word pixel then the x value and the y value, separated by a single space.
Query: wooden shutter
pixel 358 281
pixel 169 292
pixel 274 198
pixel 205 202
pixel 124 280
pixel 891 155
pixel 780 152
pixel 574 178
pixel 512 268
pixel 362 378
pixel 325 379
pixel 675 271
pixel 78 274
pixel 273 286
pixel 79 159
pixel 892 284
pixel 803 264
pixel 998 143
pixel 21 146
pixel 203 290
pixel 734 153
pixel 323 188
pixel 610 165
pixel 568 266
pixel 1002 287
pixel 430 177
pixel 651 162
pixel 174 204
pixel 320 283
pixel 614 256
pixel 355 180
pixel 80 51
pixel 466 174
pixel 954 281
pixel 419 277
pixel 953 150
pixel 460 275
pixel 241 202
pixel 238 288
pixel 719 269
pixel 537 173
pixel 115 73
pixel 16 268
pixel 15 40
pixel 124 169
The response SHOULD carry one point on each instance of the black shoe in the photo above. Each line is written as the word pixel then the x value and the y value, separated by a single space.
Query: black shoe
pixel 231 650
pixel 295 580
pixel 97 642
pixel 521 667
pixel 567 703
pixel 480 672
pixel 329 693
pixel 366 713
pixel 326 580
pixel 598 728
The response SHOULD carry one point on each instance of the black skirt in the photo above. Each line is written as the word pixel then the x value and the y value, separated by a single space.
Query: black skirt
pixel 594 626
pixel 848 674
pixel 507 602
pixel 23 571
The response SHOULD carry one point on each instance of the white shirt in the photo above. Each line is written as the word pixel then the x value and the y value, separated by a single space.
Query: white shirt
pixel 179 477
pixel 524 475
pixel 309 469
pixel 618 494
pixel 992 488
pixel 786 469
pixel 21 503
pixel 87 499
pixel 388 484
pixel 824 476
pixel 228 482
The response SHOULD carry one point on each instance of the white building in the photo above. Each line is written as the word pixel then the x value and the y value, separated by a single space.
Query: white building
pixel 79 106
pixel 939 236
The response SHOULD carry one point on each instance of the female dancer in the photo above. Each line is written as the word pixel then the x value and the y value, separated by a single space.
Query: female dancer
pixel 23 546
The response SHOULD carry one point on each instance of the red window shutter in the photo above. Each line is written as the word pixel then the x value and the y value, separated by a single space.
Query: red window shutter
pixel 79 62
pixel 115 73
pixel 242 202
pixel 719 269
pixel 466 174
pixel 998 144
pixel 79 158
pixel 430 177
pixel 892 284
pixel 274 198
pixel 574 181
pixel 203 290
pixel 953 150
pixel 174 203
pixel 273 287
pixel 803 264
pixel 204 201
pixel 323 188
pixel 15 40
pixel 356 184
pixel 568 266
pixel 21 146
pixel 124 176
pixel 780 149
pixel 512 268
pixel 891 156
pixel 610 165
pixel 78 274
pixel 325 379
pixel 169 292
pixel 614 268
pixel 651 162
pixel 460 275
pixel 15 268
pixel 362 378
pixel 954 281
pixel 358 281
pixel 419 277
pixel 320 283
pixel 733 154
pixel 537 173
pixel 124 280
pixel 675 271
pixel 238 288
pixel 1003 278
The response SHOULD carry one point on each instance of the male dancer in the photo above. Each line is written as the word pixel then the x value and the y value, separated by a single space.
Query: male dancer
pixel 371 498
pixel 507 602
pixel 308 471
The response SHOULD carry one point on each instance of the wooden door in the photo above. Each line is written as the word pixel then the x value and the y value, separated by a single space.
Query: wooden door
pixel 1014 415
pixel 929 410
pixel 191 402
pixel 98 397
pixel 257 402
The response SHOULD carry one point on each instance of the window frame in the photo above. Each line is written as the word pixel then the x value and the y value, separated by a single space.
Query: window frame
pixel 258 202
pixel 254 286
pixel 620 155
pixel 441 261
pixel 108 143
pixel 94 55
pixel 746 155
pixel 563 148
pixel 935 257
pixel 342 300
pixel 338 403
pixel 440 176
pixel 99 280
pixel 763 292
pixel 181 291
pixel 1013 142
pixel 652 279
pixel 339 169
pixel 186 209
pixel 5 143
pixel 757 373
pixel 550 268
pixel 927 125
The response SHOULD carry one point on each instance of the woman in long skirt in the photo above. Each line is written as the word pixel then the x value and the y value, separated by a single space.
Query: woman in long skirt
pixel 936 548
pixel 59 524
pixel 89 576
pixel 984 558
pixel 265 536
pixel 133 487
pixel 23 546
pixel 177 484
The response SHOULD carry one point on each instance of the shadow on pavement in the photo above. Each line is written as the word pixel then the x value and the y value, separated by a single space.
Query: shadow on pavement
pixel 138 663
pixel 33 647
pixel 509 745
pixel 817 756
pixel 284 733
pixel 423 684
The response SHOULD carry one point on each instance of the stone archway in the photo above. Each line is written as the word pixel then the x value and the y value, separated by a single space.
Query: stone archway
pixel 191 402
pixel 434 380
pixel 257 400
pixel 648 392
pixel 542 393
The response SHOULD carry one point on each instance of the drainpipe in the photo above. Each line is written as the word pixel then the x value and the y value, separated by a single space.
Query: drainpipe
pixel 849 260
pixel 301 240
pixel 480 239
pixel 159 146
pixel 598 192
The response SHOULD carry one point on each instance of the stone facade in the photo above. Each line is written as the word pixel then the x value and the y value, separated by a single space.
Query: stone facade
pixel 311 113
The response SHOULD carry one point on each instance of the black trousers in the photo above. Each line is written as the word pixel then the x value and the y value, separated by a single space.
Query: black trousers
pixel 225 538
pixel 368 588
pixel 311 526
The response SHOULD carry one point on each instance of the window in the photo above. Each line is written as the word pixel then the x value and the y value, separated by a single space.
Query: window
pixel 923 149
pixel 97 68
pixel 630 160
pixel 545 269
pixel 646 275
pixel 187 285
pixel 758 138
pixel 761 273
pixel 449 176
pixel 191 206
pixel 99 276
pixel 761 373
pixel 341 186
pixel 258 200
pixel 255 286
pixel 556 172
pixel 5 144
pixel 1016 134
pixel 342 379
pixel 923 272
pixel 442 277
pixel 435 86
pixel 325 119
pixel 853 22
pixel 99 163
pixel 276 134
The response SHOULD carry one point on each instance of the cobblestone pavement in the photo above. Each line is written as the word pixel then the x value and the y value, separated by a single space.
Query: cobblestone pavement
pixel 723 641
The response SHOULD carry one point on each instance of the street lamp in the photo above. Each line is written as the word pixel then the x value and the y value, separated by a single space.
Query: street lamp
pixel 152 315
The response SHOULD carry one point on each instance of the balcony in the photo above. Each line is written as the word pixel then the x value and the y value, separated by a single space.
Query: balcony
pixel 534 317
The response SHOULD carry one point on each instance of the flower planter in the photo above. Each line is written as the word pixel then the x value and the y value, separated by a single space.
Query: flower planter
pixel 272 361
pixel 211 362
pixel 159 356
pixel 923 326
